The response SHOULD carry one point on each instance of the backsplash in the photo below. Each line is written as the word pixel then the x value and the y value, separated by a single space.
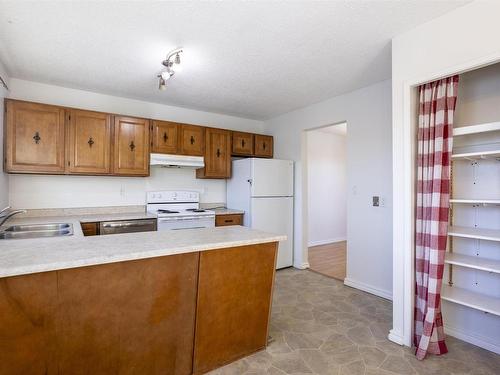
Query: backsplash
pixel 42 192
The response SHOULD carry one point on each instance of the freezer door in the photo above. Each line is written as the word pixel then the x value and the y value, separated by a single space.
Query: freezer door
pixel 275 215
pixel 272 178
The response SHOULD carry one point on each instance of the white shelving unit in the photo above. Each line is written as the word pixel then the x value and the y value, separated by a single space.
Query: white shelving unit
pixel 474 153
pixel 482 264
pixel 475 233
pixel 470 299
pixel 476 201
pixel 476 129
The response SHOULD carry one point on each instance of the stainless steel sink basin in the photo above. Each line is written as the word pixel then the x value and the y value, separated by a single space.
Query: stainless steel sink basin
pixel 37 227
pixel 36 231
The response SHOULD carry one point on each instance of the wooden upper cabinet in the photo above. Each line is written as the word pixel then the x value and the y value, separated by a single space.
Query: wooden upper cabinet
pixel 191 140
pixel 89 142
pixel 131 146
pixel 217 154
pixel 165 137
pixel 263 146
pixel 34 138
pixel 242 144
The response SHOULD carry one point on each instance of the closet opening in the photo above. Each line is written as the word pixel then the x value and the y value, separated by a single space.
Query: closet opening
pixel 470 292
pixel 327 200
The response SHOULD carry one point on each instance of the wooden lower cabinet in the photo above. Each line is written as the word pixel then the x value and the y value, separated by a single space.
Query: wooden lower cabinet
pixel 133 317
pixel 178 315
pixel 234 304
pixel 227 220
pixel 90 229
pixel 28 310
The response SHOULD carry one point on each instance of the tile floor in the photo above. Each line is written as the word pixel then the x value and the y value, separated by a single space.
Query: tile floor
pixel 320 326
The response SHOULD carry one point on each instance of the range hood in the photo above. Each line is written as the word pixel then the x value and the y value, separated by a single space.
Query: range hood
pixel 179 161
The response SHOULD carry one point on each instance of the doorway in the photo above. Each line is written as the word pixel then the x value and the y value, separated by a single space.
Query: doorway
pixel 327 200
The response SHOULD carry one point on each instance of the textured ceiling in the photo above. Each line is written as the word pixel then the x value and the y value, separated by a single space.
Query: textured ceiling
pixel 251 59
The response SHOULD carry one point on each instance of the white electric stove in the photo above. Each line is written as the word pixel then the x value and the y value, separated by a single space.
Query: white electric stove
pixel 179 210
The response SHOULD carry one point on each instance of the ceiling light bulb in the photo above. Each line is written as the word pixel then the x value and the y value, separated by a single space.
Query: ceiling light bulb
pixel 177 59
pixel 162 85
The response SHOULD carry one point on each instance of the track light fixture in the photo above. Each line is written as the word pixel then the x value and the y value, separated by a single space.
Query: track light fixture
pixel 172 64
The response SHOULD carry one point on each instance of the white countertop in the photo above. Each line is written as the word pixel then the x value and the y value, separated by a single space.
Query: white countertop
pixel 20 257
pixel 227 211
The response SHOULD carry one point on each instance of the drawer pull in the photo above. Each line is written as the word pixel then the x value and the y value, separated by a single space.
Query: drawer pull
pixel 228 220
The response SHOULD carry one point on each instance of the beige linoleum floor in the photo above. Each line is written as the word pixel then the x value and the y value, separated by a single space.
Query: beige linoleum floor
pixel 320 326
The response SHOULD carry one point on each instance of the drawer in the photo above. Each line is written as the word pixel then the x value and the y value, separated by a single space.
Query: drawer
pixel 90 229
pixel 225 220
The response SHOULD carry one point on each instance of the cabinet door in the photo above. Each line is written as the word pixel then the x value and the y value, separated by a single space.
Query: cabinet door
pixel 28 334
pixel 263 146
pixel 242 144
pixel 165 137
pixel 192 140
pixel 34 138
pixel 131 146
pixel 89 142
pixel 217 155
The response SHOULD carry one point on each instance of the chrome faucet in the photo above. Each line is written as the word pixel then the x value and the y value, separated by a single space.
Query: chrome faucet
pixel 8 214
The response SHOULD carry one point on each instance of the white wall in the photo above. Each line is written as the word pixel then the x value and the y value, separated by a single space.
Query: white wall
pixel 461 40
pixel 367 112
pixel 29 191
pixel 4 186
pixel 327 187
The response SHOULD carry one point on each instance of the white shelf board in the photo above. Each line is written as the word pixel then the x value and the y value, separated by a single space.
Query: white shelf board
pixel 475 129
pixel 475 201
pixel 476 233
pixel 488 265
pixel 477 155
pixel 470 299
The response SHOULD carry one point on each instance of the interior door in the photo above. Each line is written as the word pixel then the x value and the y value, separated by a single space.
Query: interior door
pixel 275 215
pixel 89 142
pixel 34 138
pixel 272 178
pixel 131 142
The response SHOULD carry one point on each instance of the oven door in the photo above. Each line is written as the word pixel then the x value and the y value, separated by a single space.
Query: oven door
pixel 185 222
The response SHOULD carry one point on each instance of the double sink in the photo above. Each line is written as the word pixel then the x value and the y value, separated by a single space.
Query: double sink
pixel 36 231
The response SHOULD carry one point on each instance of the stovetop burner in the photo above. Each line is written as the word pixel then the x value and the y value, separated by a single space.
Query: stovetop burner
pixel 196 210
pixel 162 211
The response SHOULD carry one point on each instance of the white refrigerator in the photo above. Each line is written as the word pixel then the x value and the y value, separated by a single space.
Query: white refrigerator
pixel 263 188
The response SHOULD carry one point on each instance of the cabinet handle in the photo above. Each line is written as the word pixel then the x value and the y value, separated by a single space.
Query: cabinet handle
pixel 37 137
pixel 165 137
pixel 132 146
pixel 90 142
pixel 264 146
pixel 228 220
pixel 242 143
pixel 218 153
pixel 192 140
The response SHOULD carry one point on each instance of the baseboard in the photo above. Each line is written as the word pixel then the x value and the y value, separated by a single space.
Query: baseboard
pixel 301 266
pixel 368 288
pixel 326 242
pixel 477 340
pixel 395 337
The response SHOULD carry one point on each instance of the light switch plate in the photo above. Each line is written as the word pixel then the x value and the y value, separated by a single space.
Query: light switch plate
pixel 376 201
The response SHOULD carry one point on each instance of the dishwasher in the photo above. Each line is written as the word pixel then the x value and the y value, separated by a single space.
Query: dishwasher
pixel 127 226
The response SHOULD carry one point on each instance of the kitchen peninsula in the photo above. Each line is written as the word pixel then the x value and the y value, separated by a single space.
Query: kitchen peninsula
pixel 171 302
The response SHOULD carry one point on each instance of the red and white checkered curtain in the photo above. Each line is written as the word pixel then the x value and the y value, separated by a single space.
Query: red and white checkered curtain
pixel 435 140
